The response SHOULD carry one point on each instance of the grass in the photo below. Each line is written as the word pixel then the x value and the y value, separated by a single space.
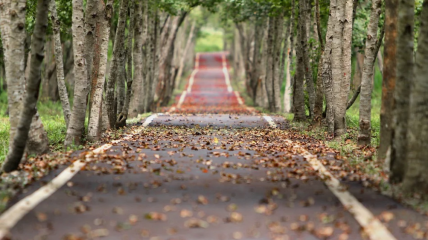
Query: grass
pixel 52 118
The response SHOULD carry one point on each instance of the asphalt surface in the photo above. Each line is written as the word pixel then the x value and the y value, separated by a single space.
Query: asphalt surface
pixel 197 175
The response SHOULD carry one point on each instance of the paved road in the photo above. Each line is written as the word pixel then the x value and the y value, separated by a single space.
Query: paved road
pixel 192 174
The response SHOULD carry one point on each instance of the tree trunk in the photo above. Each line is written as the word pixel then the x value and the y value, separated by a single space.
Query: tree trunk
pixel 279 29
pixel 123 115
pixel 154 62
pixel 389 77
pixel 99 71
pixel 284 53
pixel 256 64
pixel 416 179
pixel 13 41
pixel 92 15
pixel 76 126
pixel 117 63
pixel 165 65
pixel 304 48
pixel 137 57
pixel 326 69
pixel 273 61
pixel 261 96
pixel 364 136
pixel 183 57
pixel 298 94
pixel 341 62
pixel 405 76
pixel 32 90
pixel 287 92
pixel 319 95
pixel 63 94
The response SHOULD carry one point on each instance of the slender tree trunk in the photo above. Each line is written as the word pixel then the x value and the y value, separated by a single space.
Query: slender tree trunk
pixel 319 95
pixel 269 81
pixel 279 29
pixel 310 88
pixel 341 63
pixel 154 62
pixel 416 179
pixel 99 71
pixel 76 125
pixel 186 50
pixel 284 54
pixel 92 15
pixel 326 69
pixel 256 64
pixel 32 90
pixel 405 76
pixel 137 80
pixel 261 96
pixel 288 87
pixel 298 94
pixel 63 94
pixel 117 63
pixel 364 136
pixel 389 77
pixel 165 65
pixel 123 116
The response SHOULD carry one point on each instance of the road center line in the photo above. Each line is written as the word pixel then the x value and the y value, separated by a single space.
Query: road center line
pixel 15 213
pixel 370 224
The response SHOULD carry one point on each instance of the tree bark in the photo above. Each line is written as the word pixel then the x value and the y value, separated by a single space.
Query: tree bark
pixel 99 71
pixel 117 63
pixel 404 81
pixel 273 61
pixel 63 94
pixel 256 64
pixel 416 179
pixel 186 50
pixel 389 77
pixel 123 115
pixel 298 94
pixel 92 16
pixel 288 87
pixel 153 78
pixel 326 69
pixel 32 90
pixel 137 80
pixel 165 64
pixel 13 41
pixel 319 94
pixel 76 126
pixel 310 88
pixel 341 62
pixel 364 136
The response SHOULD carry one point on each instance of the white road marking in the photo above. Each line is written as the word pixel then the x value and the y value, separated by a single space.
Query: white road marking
pixel 182 97
pixel 15 213
pixel 370 224
pixel 192 76
pixel 238 96
pixel 226 73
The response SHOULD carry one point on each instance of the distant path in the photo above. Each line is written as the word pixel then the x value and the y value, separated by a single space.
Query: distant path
pixel 209 168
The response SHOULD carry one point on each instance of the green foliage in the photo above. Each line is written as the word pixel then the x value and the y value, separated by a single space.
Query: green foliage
pixel 209 40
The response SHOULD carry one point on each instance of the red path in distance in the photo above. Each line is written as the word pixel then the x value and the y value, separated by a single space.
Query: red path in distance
pixel 209 91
